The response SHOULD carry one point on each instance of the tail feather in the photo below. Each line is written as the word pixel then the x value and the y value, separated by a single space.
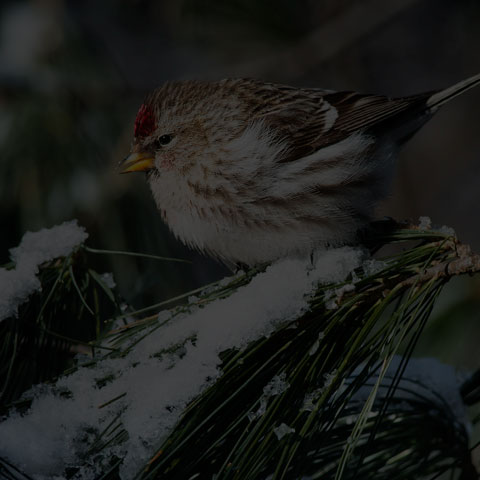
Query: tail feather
pixel 444 96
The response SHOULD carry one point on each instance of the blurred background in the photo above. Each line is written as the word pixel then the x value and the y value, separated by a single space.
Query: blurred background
pixel 73 74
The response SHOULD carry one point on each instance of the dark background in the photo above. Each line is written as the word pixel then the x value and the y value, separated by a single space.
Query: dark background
pixel 73 73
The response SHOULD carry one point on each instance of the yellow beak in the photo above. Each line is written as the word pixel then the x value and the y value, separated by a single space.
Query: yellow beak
pixel 137 162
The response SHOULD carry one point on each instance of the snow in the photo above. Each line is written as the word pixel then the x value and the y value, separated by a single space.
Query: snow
pixel 170 366
pixel 35 248
pixel 108 280
pixel 172 362
pixel 334 297
pixel 59 422
pixel 424 223
pixel 447 231
pixel 316 345
pixel 275 387
pixel 309 401
pixel 282 430
pixel 373 266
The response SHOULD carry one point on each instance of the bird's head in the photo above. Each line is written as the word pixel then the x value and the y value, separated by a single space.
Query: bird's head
pixel 172 130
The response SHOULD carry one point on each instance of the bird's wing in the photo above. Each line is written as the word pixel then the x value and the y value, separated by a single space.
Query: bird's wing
pixel 311 119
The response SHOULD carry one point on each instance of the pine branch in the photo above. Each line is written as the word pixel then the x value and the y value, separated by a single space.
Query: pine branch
pixel 318 369
pixel 321 394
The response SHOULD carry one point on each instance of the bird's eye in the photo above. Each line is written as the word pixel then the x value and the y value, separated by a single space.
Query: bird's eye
pixel 163 140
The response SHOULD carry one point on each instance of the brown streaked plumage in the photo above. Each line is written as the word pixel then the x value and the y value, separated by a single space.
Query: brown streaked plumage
pixel 249 171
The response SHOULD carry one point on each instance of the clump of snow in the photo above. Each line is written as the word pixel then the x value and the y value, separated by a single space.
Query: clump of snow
pixel 424 223
pixel 333 298
pixel 328 379
pixel 447 231
pixel 169 366
pixel 107 279
pixel 313 350
pixel 61 420
pixel 276 386
pixel 282 430
pixel 372 266
pixel 260 411
pixel 310 400
pixel 35 248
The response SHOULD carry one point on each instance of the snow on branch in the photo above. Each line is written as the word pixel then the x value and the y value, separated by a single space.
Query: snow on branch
pixel 17 284
pixel 245 353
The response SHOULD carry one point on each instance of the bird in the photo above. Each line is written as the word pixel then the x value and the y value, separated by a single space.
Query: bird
pixel 249 172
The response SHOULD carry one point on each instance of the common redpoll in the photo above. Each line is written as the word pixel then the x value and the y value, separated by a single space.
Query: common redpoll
pixel 249 172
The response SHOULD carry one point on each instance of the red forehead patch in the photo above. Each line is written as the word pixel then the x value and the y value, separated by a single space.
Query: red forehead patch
pixel 145 122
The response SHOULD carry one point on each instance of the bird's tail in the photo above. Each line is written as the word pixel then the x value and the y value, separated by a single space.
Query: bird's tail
pixel 444 96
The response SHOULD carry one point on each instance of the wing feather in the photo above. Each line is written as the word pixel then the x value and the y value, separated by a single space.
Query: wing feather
pixel 311 119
